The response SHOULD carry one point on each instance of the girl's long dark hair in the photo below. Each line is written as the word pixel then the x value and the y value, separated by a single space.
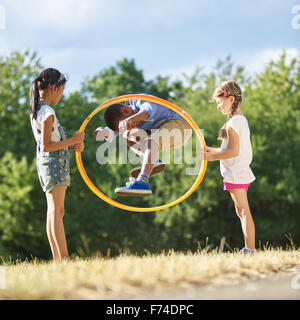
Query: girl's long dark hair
pixel 48 77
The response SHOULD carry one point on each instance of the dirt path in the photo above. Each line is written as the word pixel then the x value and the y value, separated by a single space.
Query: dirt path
pixel 284 286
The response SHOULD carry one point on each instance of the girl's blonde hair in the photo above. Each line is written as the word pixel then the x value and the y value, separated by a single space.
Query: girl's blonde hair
pixel 226 89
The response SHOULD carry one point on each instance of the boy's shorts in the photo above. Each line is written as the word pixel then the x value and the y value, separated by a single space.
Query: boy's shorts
pixel 171 134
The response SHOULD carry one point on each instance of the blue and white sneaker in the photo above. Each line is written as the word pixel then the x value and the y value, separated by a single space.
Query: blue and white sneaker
pixel 247 251
pixel 134 188
pixel 158 167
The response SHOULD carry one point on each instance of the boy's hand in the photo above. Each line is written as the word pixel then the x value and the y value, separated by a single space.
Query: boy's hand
pixel 133 121
pixel 101 133
pixel 125 125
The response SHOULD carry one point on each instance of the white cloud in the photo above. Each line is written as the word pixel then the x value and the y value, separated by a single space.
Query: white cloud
pixel 258 61
pixel 56 14
pixel 253 63
pixel 79 15
pixel 170 14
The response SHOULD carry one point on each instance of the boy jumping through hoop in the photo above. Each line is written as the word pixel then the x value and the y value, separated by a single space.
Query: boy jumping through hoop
pixel 144 126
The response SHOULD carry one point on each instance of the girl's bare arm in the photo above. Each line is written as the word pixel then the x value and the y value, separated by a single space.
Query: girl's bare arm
pixel 231 151
pixel 47 145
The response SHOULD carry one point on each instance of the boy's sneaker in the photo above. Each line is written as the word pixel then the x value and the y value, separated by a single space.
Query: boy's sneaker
pixel 134 188
pixel 247 251
pixel 159 166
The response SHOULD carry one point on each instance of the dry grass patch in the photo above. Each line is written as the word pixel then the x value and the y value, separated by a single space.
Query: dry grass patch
pixel 97 278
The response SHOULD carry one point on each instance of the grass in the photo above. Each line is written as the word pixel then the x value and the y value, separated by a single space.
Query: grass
pixel 128 275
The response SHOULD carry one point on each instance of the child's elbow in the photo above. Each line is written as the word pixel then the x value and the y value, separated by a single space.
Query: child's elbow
pixel 44 148
pixel 235 152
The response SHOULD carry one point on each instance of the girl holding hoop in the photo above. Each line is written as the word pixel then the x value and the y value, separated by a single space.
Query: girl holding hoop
pixel 52 158
pixel 235 155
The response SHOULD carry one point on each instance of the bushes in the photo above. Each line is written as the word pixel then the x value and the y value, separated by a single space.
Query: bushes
pixel 21 224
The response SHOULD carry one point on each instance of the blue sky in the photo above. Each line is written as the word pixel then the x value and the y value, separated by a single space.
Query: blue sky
pixel 165 37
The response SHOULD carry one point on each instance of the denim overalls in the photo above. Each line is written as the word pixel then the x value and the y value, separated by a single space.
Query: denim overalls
pixel 53 167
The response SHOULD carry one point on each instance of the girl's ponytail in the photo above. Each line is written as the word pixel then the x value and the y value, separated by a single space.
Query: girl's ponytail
pixel 226 89
pixel 49 77
pixel 237 101
pixel 34 98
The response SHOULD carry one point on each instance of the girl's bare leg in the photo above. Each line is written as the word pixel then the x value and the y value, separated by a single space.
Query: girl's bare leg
pixel 239 197
pixel 55 227
pixel 48 228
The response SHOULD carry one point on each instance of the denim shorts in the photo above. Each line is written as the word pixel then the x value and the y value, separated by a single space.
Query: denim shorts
pixel 53 169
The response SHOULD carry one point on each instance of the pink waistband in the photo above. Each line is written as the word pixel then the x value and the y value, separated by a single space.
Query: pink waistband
pixel 229 186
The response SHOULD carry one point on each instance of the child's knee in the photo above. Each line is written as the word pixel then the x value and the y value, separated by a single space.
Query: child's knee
pixel 58 211
pixel 61 212
pixel 238 211
pixel 135 135
pixel 242 212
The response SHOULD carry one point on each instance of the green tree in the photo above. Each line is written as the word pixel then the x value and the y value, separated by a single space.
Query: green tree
pixel 17 71
pixel 124 78
pixel 273 101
